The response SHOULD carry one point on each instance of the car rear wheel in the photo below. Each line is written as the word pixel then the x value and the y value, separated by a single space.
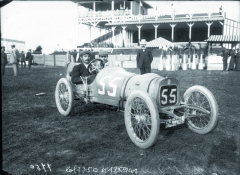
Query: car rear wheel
pixel 200 96
pixel 64 97
pixel 141 119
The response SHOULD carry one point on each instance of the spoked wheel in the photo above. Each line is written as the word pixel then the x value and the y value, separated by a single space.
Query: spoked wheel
pixel 201 122
pixel 141 119
pixel 64 97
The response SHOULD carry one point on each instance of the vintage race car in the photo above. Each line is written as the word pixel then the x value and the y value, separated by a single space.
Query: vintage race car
pixel 147 101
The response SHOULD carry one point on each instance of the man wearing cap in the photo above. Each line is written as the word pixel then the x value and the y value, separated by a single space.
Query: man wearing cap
pixel 3 60
pixel 103 55
pixel 81 69
pixel 15 60
pixel 144 58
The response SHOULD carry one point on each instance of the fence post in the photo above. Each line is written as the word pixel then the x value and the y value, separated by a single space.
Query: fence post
pixel 54 60
pixel 66 60
pixel 44 59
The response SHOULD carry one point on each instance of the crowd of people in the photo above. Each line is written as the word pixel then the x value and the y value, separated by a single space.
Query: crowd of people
pixel 144 59
pixel 16 58
pixel 234 56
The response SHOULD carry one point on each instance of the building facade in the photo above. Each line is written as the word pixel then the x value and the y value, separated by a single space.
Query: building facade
pixel 128 22
pixel 20 45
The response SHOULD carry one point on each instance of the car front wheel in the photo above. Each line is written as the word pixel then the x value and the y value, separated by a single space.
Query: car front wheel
pixel 64 97
pixel 141 119
pixel 201 122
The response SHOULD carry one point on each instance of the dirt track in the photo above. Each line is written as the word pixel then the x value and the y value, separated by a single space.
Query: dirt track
pixel 95 141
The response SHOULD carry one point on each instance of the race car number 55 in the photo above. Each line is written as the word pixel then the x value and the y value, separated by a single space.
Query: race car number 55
pixel 111 84
pixel 168 95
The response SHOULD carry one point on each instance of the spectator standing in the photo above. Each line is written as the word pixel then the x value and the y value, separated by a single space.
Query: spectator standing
pixel 29 58
pixel 15 60
pixel 74 54
pixel 237 67
pixel 224 56
pixel 232 60
pixel 3 60
pixel 23 60
pixel 144 58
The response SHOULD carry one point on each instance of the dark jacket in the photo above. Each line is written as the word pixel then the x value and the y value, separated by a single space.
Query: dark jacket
pixel 22 57
pixel 74 54
pixel 81 70
pixel 224 55
pixel 29 56
pixel 144 58
pixel 4 60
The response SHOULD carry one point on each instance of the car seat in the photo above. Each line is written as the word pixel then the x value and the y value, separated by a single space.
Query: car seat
pixel 69 70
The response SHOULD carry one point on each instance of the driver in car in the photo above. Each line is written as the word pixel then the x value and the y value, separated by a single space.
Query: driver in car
pixel 81 69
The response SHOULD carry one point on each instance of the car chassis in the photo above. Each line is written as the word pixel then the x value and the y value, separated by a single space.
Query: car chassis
pixel 143 114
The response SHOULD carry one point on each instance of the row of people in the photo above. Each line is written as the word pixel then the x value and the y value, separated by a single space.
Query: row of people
pixel 16 58
pixel 234 55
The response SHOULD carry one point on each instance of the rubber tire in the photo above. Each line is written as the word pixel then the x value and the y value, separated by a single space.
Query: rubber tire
pixel 154 115
pixel 214 109
pixel 71 97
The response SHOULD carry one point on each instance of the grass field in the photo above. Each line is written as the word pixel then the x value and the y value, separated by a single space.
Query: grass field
pixel 36 139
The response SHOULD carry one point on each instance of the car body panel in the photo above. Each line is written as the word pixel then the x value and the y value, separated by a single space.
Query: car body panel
pixel 115 84
pixel 107 85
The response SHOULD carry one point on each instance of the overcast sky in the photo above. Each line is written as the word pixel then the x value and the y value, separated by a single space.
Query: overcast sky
pixel 53 24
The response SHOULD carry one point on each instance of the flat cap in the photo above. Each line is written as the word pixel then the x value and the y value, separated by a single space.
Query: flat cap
pixel 85 52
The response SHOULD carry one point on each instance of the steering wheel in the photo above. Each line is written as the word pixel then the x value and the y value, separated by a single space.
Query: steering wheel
pixel 95 65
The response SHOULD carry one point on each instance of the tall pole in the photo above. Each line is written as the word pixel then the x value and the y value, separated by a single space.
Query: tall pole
pixel 112 11
pixel 172 25
pixel 90 33
pixel 124 34
pixel 77 27
pixel 209 24
pixel 94 23
pixel 156 26
pixel 113 35
pixel 139 32
pixel 190 29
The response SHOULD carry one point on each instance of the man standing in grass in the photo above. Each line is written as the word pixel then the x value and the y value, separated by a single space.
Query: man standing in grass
pixel 15 60
pixel 29 58
pixel 3 60
pixel 144 58
pixel 23 60
pixel 224 56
